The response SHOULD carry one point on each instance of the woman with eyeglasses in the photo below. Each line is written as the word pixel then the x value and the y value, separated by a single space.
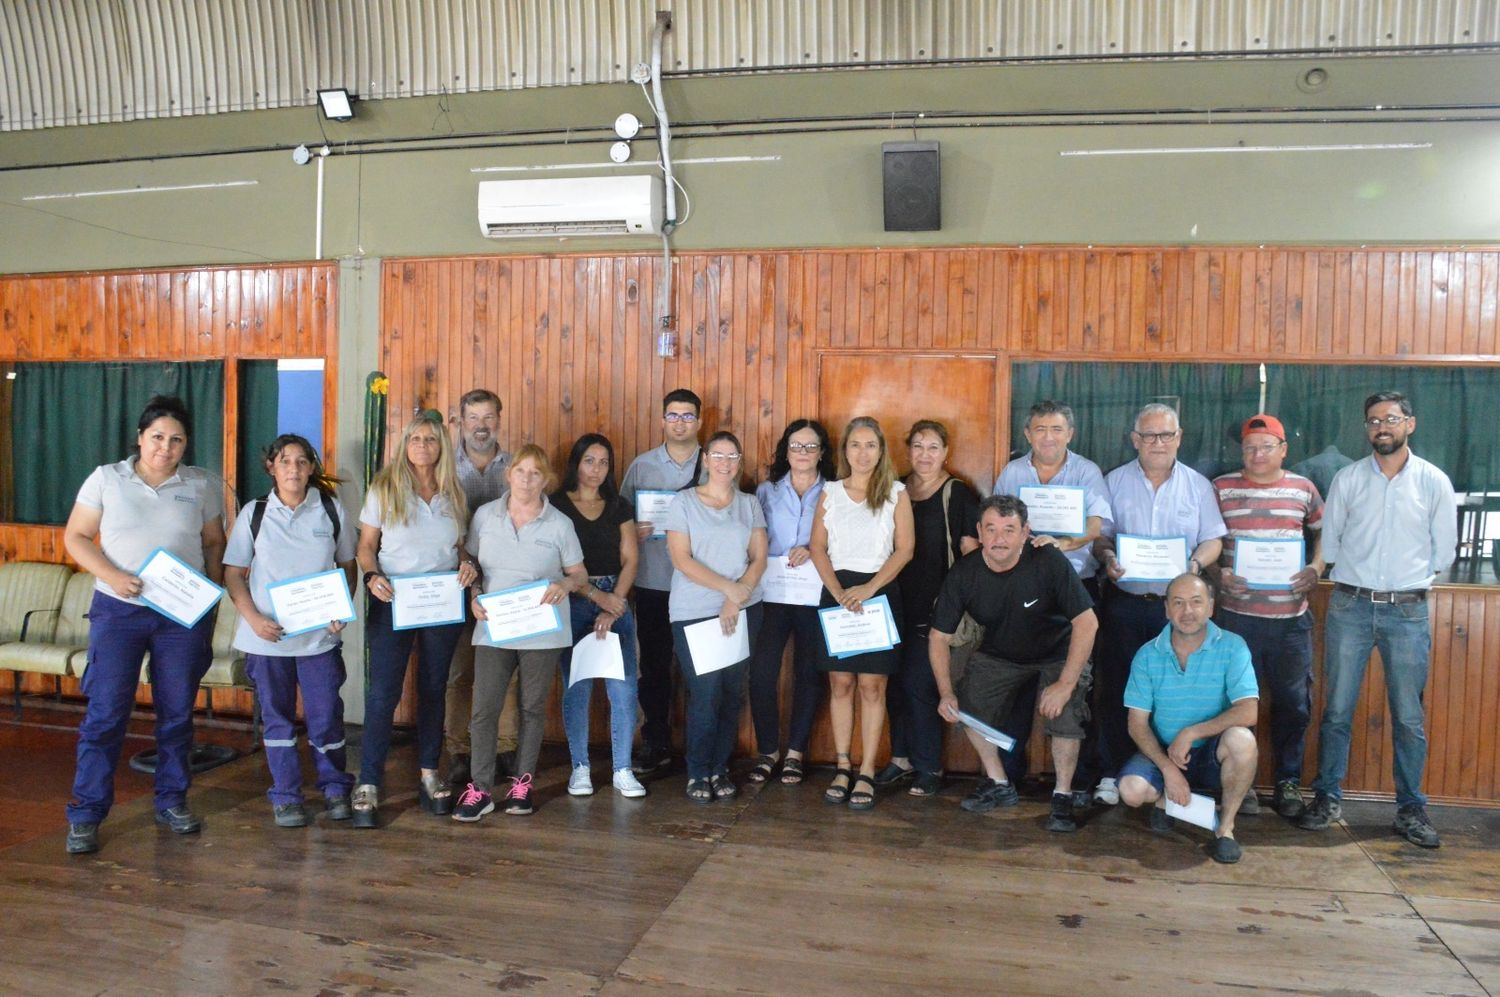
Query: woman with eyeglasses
pixel 861 539
pixel 716 535
pixel 789 498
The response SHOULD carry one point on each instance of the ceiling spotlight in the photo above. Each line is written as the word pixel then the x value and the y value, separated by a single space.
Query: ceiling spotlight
pixel 627 125
pixel 337 104
pixel 620 152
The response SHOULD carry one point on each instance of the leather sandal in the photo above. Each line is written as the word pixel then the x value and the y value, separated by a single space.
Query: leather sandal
pixel 838 794
pixel 764 766
pixel 791 771
pixel 861 799
pixel 366 805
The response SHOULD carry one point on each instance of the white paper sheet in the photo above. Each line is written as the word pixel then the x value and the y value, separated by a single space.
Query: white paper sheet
pixel 596 659
pixel 1268 564
pixel 302 605
pixel 711 650
pixel 1151 559
pixel 426 600
pixel 514 614
pixel 174 589
pixel 651 507
pixel 1199 811
pixel 1057 510
pixel 791 586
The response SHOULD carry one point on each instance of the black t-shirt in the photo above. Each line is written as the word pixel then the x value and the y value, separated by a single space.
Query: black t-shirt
pixel 1027 612
pixel 599 538
pixel 923 574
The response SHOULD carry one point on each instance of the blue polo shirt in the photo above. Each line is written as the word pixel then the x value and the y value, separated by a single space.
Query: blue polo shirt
pixel 1218 675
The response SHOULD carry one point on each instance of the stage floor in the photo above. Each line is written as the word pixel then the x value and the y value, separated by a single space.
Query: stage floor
pixel 775 892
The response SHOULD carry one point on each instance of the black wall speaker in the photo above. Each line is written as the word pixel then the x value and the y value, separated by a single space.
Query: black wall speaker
pixel 913 201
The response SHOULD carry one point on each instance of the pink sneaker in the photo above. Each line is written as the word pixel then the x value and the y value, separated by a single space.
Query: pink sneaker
pixel 518 797
pixel 473 804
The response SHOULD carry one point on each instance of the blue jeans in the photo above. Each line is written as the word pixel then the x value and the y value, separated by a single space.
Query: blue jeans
pixel 120 634
pixel 1281 650
pixel 1404 638
pixel 714 701
pixel 389 652
pixel 622 694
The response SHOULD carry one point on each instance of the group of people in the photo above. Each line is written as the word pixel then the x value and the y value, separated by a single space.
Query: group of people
pixel 1147 685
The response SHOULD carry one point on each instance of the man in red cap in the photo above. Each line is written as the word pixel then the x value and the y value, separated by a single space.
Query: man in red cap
pixel 1274 519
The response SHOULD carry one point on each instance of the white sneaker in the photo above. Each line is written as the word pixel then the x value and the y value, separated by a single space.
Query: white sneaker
pixel 580 783
pixel 1107 792
pixel 628 784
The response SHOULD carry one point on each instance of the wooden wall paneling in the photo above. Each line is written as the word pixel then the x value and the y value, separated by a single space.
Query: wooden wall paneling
pixel 1487 787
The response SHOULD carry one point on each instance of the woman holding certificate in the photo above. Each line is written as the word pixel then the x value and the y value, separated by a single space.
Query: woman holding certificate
pixel 409 532
pixel 530 561
pixel 716 535
pixel 605 524
pixel 861 539
pixel 789 498
pixel 129 520
pixel 296 531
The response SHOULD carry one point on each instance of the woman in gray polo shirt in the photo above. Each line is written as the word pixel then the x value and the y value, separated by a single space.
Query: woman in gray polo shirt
pixel 716 535
pixel 519 538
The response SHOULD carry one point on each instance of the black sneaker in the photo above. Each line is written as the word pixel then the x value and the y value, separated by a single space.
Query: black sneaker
pixel 1061 818
pixel 1325 810
pixel 988 795
pixel 473 804
pixel 1288 799
pixel 893 774
pixel 518 798
pixel 289 814
pixel 180 819
pixel 651 759
pixel 1082 798
pixel 83 839
pixel 1412 824
pixel 338 808
pixel 1226 851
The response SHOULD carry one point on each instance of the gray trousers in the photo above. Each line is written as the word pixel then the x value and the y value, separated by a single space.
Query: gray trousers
pixel 493 668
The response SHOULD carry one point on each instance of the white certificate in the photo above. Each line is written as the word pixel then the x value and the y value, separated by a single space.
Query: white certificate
pixel 848 634
pixel 1057 510
pixel 174 589
pixel 596 659
pixel 518 613
pixel 1151 559
pixel 651 507
pixel 1200 811
pixel 711 650
pixel 998 738
pixel 791 586
pixel 311 602
pixel 1268 564
pixel 426 600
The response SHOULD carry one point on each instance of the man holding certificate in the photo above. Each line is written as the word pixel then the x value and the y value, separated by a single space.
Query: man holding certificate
pixel 1166 522
pixel 1269 564
pixel 1039 625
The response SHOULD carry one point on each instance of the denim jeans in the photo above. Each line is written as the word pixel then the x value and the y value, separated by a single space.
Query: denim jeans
pixel 1403 635
pixel 389 652
pixel 714 702
pixel 622 694
pixel 1281 650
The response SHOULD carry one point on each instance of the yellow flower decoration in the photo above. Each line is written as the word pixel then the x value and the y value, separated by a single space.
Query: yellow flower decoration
pixel 380 386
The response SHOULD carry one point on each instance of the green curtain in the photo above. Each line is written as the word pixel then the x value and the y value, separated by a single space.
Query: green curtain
pixel 1211 400
pixel 76 416
pixel 259 398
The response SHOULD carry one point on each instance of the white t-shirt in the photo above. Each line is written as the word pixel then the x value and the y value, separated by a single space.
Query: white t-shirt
pixel 428 540
pixel 858 539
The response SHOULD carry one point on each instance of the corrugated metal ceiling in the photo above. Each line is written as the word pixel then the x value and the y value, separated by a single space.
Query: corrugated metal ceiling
pixel 71 62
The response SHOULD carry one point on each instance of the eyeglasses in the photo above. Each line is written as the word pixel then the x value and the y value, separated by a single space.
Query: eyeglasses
pixel 687 417
pixel 804 447
pixel 1390 420
pixel 1166 437
pixel 1264 450
pixel 725 457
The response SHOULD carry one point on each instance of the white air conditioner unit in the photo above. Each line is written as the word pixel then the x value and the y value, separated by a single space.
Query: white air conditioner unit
pixel 619 205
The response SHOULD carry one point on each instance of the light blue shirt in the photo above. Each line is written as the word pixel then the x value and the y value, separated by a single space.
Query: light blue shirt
pixel 1218 675
pixel 789 516
pixel 655 470
pixel 1077 472
pixel 1185 505
pixel 1390 534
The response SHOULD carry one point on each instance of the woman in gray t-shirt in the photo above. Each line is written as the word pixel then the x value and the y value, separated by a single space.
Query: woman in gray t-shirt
pixel 716 535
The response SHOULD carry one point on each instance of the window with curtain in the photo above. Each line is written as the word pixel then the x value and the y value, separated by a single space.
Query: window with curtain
pixel 260 398
pixel 65 419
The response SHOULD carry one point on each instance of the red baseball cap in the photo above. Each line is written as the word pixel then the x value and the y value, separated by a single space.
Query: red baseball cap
pixel 1263 424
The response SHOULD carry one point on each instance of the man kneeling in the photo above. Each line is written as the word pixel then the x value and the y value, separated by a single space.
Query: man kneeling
pixel 1192 699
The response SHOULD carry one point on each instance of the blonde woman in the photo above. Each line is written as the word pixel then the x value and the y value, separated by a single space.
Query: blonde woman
pixel 862 536
pixel 412 522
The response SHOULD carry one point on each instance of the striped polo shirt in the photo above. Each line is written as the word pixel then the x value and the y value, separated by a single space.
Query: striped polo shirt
pixel 1218 675
pixel 1281 510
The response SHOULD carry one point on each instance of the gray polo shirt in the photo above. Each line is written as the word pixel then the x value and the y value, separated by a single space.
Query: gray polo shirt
pixel 655 470
pixel 508 557
pixel 135 518
pixel 292 543
pixel 427 541
pixel 480 486
pixel 720 541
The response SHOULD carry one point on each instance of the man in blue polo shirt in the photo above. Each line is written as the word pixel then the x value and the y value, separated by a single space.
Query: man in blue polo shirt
pixel 1192 699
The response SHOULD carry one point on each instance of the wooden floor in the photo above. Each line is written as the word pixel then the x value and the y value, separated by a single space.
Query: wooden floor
pixel 776 893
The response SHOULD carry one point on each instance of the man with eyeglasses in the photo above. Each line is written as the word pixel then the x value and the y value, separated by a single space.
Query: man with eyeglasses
pixel 670 467
pixel 1390 527
pixel 1154 498
pixel 1259 503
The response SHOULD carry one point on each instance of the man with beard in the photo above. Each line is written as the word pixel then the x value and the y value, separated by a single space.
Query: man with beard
pixel 1039 625
pixel 1389 528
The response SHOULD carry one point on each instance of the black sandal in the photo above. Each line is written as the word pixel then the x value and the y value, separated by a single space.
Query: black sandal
pixel 838 794
pixel 699 791
pixel 723 787
pixel 859 799
pixel 791 772
pixel 764 766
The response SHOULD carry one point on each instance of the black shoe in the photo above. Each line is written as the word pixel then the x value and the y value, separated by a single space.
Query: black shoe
pixel 988 795
pixel 459 775
pixel 180 819
pixel 893 774
pixel 651 759
pixel 1082 798
pixel 338 808
pixel 473 804
pixel 1324 811
pixel 1061 818
pixel 289 814
pixel 1250 805
pixel 1159 820
pixel 1288 799
pixel 1412 824
pixel 925 784
pixel 723 787
pixel 83 839
pixel 505 765
pixel 1226 851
